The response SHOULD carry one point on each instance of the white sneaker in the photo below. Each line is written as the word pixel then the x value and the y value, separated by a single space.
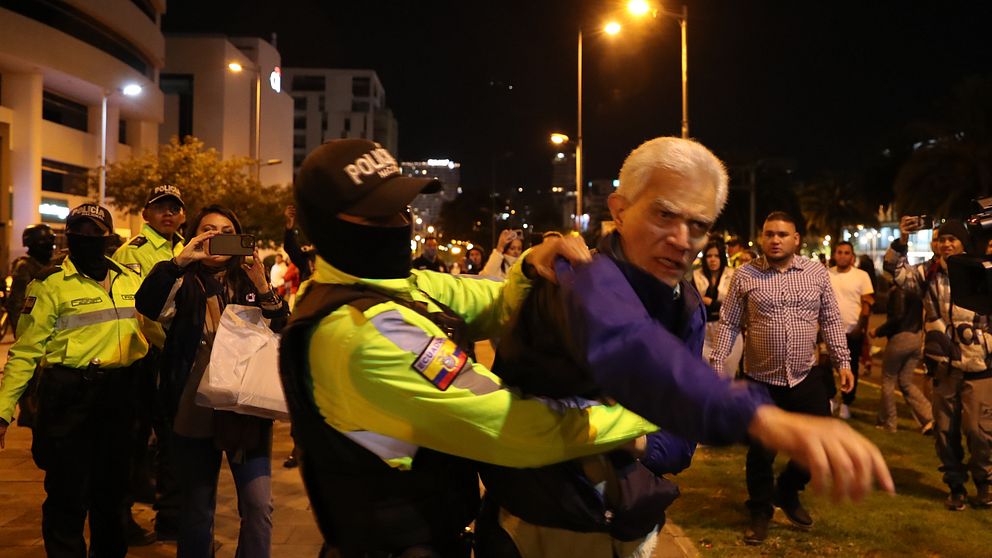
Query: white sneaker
pixel 845 412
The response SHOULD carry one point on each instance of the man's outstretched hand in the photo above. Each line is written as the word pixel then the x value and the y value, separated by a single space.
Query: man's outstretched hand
pixel 834 454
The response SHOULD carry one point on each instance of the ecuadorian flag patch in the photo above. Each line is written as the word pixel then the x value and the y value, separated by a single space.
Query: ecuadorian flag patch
pixel 441 362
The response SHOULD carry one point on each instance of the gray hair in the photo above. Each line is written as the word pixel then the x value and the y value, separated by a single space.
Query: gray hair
pixel 683 157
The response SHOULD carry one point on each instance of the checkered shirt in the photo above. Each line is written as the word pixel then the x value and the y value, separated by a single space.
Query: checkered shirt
pixel 780 312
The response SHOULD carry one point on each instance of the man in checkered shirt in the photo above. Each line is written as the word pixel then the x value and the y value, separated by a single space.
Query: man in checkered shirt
pixel 781 300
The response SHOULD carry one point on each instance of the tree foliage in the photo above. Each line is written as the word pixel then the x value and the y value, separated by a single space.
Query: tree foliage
pixel 204 178
pixel 951 163
pixel 831 202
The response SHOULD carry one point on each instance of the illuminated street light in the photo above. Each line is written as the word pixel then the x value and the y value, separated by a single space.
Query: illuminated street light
pixel 638 7
pixel 558 139
pixel 235 67
pixel 611 28
pixel 130 90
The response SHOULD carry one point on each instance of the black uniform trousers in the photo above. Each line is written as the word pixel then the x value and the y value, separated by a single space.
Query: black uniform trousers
pixel 82 440
pixel 807 397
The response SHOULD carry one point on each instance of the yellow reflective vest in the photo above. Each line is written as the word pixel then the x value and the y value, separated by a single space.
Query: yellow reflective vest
pixel 68 319
pixel 140 254
pixel 383 378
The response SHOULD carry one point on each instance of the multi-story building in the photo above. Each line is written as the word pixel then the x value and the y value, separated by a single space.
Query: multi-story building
pixel 63 70
pixel 332 104
pixel 426 208
pixel 213 85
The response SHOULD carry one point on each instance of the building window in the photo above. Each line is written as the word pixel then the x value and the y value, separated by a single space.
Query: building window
pixel 300 123
pixel 359 106
pixel 60 110
pixel 300 103
pixel 308 83
pixel 122 131
pixel 361 86
pixel 347 124
pixel 60 177
pixel 321 103
pixel 299 142
pixel 180 85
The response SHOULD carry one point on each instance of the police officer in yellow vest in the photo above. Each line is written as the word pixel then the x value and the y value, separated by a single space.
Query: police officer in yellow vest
pixel 386 399
pixel 79 324
pixel 158 241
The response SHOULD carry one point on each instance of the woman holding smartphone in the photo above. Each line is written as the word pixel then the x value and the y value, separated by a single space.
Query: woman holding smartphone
pixel 187 295
pixel 504 255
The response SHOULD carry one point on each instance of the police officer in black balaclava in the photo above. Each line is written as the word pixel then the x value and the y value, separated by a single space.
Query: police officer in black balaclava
pixel 40 242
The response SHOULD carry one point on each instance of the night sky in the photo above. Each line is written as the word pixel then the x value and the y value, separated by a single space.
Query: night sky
pixel 825 83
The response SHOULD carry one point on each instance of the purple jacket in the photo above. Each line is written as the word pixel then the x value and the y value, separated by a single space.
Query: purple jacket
pixel 643 346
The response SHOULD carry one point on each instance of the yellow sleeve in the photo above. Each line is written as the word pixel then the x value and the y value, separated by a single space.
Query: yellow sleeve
pixel 364 380
pixel 485 305
pixel 34 329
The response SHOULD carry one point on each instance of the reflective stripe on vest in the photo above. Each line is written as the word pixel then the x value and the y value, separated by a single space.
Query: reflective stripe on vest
pixel 396 453
pixel 96 317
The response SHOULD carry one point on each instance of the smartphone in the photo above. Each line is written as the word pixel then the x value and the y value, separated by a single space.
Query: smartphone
pixel 231 245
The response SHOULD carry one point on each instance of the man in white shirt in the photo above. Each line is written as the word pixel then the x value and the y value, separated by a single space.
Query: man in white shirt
pixel 278 273
pixel 855 295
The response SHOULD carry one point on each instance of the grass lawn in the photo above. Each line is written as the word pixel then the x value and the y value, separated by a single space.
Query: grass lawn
pixel 711 510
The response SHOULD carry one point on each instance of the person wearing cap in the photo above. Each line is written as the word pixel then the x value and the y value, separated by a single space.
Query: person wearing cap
pixel 159 240
pixel 40 242
pixel 386 403
pixel 957 342
pixel 79 324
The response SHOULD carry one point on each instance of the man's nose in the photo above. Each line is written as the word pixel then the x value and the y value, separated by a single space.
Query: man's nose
pixel 679 236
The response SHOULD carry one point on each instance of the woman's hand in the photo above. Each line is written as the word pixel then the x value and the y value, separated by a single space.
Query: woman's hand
pixel 256 273
pixel 707 301
pixel 504 238
pixel 195 249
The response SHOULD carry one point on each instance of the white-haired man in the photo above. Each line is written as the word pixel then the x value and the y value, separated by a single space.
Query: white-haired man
pixel 627 326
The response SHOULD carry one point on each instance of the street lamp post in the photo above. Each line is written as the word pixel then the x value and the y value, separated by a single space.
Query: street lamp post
pixel 685 72
pixel 578 145
pixel 130 90
pixel 237 68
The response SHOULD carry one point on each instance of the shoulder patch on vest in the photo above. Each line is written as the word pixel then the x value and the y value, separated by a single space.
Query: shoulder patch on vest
pixel 138 241
pixel 28 304
pixel 441 362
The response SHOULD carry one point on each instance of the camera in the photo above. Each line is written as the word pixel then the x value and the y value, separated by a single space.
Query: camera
pixel 971 275
pixel 231 245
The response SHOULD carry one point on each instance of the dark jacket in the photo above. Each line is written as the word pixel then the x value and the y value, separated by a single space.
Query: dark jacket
pixel 232 431
pixel 904 313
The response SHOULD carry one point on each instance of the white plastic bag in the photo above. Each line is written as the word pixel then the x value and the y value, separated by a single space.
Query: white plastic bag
pixel 243 374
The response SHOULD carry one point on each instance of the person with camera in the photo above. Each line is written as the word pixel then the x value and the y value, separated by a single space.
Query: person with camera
pixel 79 324
pixel 957 341
pixel 188 294
pixel 508 248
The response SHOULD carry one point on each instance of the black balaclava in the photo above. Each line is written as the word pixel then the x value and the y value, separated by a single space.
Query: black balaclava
pixel 42 251
pixel 364 250
pixel 87 254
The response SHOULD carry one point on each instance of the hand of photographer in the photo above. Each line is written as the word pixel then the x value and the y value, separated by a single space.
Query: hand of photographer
pixel 256 272
pixel 290 214
pixel 195 249
pixel 504 238
pixel 908 224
